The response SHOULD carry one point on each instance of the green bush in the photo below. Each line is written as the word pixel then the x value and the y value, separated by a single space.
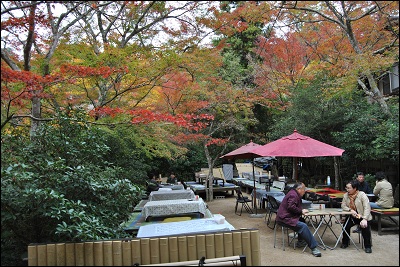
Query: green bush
pixel 58 187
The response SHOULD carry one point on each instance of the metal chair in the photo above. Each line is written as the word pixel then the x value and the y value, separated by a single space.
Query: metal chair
pixel 290 236
pixel 272 207
pixel 361 239
pixel 244 201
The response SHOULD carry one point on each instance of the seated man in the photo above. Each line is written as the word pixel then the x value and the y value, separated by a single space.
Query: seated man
pixel 290 212
pixel 172 179
pixel 152 185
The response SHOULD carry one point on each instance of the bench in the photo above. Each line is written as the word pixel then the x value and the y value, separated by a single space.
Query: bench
pixel 389 213
pixel 239 260
pixel 143 251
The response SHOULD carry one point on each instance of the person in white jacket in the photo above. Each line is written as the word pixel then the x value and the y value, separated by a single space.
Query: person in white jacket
pixel 384 191
pixel 357 203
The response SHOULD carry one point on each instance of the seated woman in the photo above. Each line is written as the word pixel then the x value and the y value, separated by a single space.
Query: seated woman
pixel 384 191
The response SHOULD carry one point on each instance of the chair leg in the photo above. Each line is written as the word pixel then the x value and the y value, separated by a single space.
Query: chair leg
pixel 361 239
pixel 247 208
pixel 275 234
pixel 291 239
pixel 268 217
pixel 285 230
pixel 269 221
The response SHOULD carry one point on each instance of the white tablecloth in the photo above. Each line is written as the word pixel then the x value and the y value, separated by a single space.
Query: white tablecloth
pixel 172 186
pixel 173 194
pixel 184 227
pixel 172 207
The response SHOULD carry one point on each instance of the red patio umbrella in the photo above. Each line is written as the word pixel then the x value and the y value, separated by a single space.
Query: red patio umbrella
pixel 297 146
pixel 245 152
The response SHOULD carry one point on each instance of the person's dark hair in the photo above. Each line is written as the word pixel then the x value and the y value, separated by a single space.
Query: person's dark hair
pixel 354 183
pixel 360 173
pixel 380 176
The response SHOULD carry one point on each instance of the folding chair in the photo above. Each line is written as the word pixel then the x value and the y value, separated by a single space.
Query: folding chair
pixel 290 236
pixel 244 201
pixel 273 207
pixel 361 239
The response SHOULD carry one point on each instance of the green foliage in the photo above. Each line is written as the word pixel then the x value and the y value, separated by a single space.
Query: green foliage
pixel 142 152
pixel 59 187
pixel 233 71
pixel 242 43
pixel 186 166
pixel 368 133
pixel 370 179
pixel 346 121
pixel 128 153
pixel 311 112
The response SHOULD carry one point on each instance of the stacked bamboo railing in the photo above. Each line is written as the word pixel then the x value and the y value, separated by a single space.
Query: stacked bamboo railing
pixel 140 251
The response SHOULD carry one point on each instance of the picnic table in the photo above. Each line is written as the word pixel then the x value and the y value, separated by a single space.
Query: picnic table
pixel 173 207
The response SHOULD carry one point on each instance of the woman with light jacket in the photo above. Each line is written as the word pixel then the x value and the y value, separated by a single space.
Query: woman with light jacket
pixel 384 191
pixel 357 203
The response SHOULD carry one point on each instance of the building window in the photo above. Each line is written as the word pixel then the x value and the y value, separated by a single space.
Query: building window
pixel 389 82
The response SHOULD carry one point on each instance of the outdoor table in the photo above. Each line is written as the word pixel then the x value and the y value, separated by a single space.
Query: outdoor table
pixel 173 194
pixel 173 206
pixel 172 186
pixel 331 214
pixel 183 227
pixel 264 178
pixel 261 195
pixel 216 180
pixel 372 197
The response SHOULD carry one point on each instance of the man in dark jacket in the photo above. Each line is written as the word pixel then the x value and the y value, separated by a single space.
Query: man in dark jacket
pixel 152 185
pixel 363 185
pixel 290 212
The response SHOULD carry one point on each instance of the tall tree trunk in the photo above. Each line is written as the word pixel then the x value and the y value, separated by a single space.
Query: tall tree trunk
pixel 36 114
pixel 336 167
pixel 210 176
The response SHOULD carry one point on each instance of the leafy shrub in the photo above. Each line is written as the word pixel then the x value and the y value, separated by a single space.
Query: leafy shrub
pixel 57 187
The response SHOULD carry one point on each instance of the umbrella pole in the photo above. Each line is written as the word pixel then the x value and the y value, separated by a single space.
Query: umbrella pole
pixel 254 190
pixel 295 169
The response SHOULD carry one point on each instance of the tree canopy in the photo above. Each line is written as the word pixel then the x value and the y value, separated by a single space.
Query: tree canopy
pixel 97 96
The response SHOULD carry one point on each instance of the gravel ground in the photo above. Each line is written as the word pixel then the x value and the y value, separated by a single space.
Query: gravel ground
pixel 385 248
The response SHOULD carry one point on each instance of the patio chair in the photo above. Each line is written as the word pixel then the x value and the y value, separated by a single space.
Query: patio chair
pixel 361 239
pixel 272 207
pixel 240 199
pixel 290 236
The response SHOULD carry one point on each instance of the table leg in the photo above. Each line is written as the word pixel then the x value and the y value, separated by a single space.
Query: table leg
pixel 322 219
pixel 379 224
pixel 343 230
pixel 330 228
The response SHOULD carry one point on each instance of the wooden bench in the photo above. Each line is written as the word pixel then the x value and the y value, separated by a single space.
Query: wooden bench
pixel 239 260
pixel 389 213
pixel 157 250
